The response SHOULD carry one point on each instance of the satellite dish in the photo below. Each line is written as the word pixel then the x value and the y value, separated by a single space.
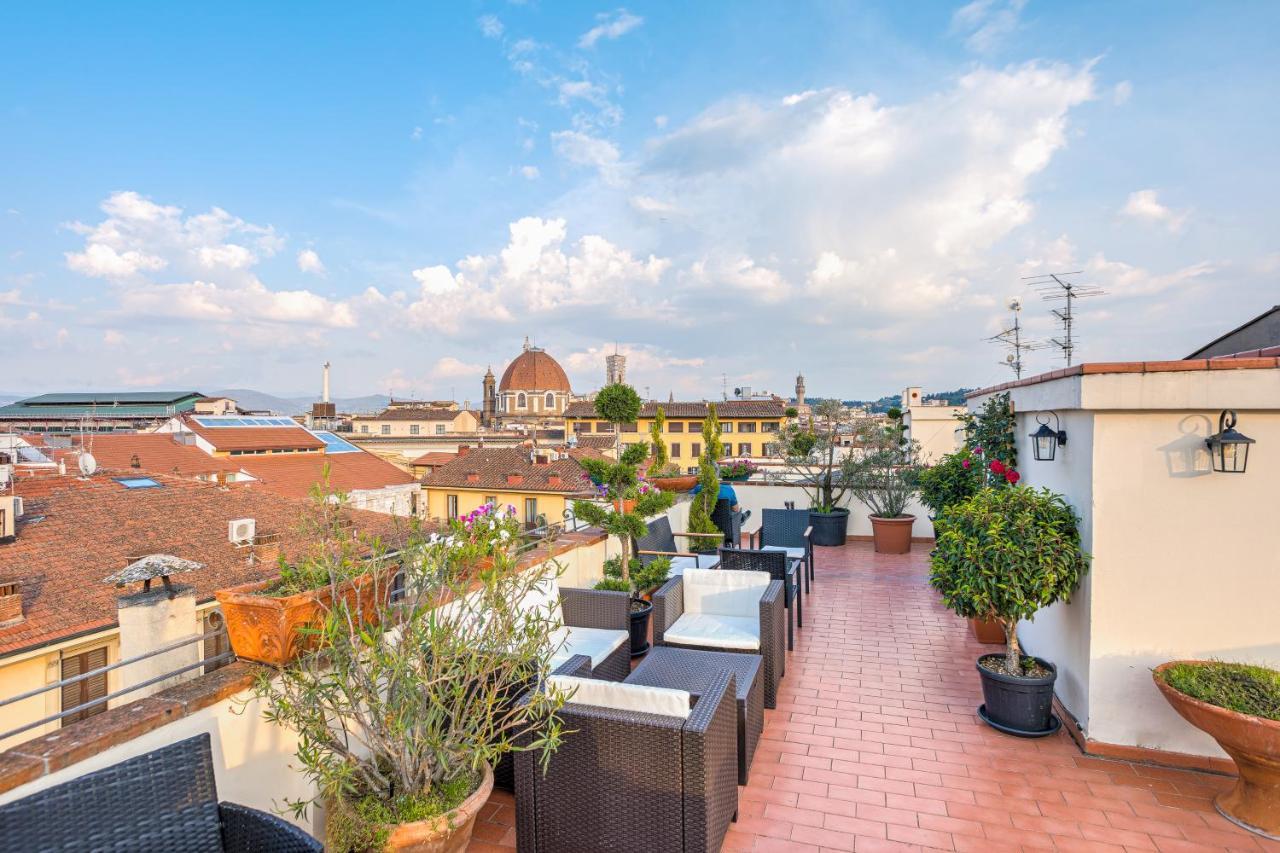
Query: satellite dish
pixel 1015 304
pixel 1009 358
pixel 88 465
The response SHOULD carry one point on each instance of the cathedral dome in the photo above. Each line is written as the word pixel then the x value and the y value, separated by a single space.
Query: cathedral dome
pixel 534 370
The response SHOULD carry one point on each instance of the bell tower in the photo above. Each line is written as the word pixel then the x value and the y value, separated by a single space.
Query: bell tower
pixel 489 408
pixel 800 391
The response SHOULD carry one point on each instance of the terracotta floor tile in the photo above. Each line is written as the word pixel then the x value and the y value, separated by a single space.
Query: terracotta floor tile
pixel 875 745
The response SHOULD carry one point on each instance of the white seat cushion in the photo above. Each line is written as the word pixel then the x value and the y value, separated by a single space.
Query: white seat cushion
pixel 724 592
pixel 702 561
pixel 595 643
pixel 624 697
pixel 719 632
pixel 793 553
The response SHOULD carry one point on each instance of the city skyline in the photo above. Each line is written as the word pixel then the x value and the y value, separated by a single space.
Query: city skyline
pixel 230 197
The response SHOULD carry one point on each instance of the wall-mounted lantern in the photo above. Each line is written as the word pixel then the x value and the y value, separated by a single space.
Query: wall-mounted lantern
pixel 1228 449
pixel 1045 441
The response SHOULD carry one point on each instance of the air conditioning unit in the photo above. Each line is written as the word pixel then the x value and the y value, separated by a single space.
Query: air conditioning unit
pixel 10 509
pixel 241 531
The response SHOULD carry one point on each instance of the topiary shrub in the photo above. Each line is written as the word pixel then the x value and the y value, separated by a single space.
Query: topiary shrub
pixel 618 404
pixel 659 453
pixel 708 491
pixel 1003 554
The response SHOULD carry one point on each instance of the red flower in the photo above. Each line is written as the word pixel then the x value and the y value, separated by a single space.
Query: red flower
pixel 965 464
pixel 1012 476
pixel 997 467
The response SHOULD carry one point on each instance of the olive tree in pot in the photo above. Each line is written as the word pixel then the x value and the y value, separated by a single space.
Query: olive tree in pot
pixel 629 501
pixel 1004 554
pixel 884 476
pixel 1238 705
pixel 813 459
pixel 401 719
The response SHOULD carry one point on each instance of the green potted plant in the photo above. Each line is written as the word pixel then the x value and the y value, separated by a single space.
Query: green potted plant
pixel 883 476
pixel 640 582
pixel 627 502
pixel 399 730
pixel 1004 554
pixel 1238 705
pixel 708 486
pixel 270 621
pixel 662 472
pixel 737 470
pixel 953 479
pixel 813 458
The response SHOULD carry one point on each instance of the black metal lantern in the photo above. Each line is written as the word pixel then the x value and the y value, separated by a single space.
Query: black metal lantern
pixel 1045 441
pixel 1228 449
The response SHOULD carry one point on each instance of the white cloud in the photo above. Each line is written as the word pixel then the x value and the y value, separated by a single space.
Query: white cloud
pixel 611 26
pixel 660 121
pixel 490 26
pixel 583 149
pixel 309 262
pixel 112 338
pixel 530 172
pixel 986 24
pixel 1145 205
pixel 416 134
pixel 1122 92
pixel 652 206
pixel 102 261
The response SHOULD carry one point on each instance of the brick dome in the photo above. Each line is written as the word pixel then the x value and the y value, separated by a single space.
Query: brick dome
pixel 534 370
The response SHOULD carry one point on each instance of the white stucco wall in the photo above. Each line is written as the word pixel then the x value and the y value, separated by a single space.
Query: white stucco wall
pixel 1186 561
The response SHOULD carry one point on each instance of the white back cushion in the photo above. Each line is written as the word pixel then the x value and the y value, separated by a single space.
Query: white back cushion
pixel 624 697
pixel 544 595
pixel 724 592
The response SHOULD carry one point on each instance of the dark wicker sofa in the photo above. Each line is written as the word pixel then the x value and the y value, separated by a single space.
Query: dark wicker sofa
pixel 669 606
pixel 625 780
pixel 161 801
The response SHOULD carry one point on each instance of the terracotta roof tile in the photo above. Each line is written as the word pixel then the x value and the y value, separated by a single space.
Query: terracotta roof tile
pixel 434 458
pixel 255 438
pixel 491 466
pixel 294 474
pixel 74 532
pixel 155 452
pixel 401 414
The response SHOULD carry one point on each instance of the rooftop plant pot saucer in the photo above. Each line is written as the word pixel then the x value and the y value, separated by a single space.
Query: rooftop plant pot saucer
pixel 829 528
pixel 892 535
pixel 674 484
pixel 1018 705
pixel 1253 744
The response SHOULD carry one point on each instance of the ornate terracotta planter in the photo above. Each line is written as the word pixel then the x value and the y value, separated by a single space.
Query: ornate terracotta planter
pixel 1252 742
pixel 264 628
pixel 892 535
pixel 674 484
pixel 987 631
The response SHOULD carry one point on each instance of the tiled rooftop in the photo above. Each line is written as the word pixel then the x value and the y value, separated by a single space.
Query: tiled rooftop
pixel 875 745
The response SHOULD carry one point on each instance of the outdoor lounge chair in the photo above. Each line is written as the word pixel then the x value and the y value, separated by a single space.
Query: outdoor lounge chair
pixel 639 769
pixel 729 522
pixel 780 567
pixel 725 611
pixel 162 800
pixel 790 531
pixel 660 541
pixel 595 623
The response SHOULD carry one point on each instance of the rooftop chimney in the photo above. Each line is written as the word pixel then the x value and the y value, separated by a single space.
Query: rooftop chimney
pixel 515 478
pixel 463 450
pixel 553 479
pixel 473 476
pixel 155 617
pixel 10 603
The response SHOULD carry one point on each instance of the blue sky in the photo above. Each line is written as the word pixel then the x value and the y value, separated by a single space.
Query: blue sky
pixel 229 195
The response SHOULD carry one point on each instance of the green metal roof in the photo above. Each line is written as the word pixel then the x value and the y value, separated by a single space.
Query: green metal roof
pixel 111 398
pixel 134 404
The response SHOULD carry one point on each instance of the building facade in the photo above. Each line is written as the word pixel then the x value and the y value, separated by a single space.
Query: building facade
pixel 538 483
pixel 748 427
pixel 401 422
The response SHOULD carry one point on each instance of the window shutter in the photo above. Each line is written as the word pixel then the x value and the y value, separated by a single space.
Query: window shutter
pixel 78 694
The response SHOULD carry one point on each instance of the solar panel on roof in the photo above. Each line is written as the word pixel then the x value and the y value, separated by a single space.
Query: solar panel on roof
pixel 334 444
pixel 223 422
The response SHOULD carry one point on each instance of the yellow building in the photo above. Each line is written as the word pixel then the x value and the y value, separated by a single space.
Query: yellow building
pixel 748 427
pixel 538 483
pixel 399 422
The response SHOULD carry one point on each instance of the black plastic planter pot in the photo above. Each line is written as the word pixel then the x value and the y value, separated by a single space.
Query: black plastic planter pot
pixel 829 528
pixel 641 610
pixel 1018 705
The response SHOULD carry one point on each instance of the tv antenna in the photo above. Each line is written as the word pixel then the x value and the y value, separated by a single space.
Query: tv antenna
pixel 1012 338
pixel 1058 287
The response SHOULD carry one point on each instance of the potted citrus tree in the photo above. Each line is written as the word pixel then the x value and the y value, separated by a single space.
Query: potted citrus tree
pixel 1238 705
pixel 272 621
pixel 883 476
pixel 1004 554
pixel 813 459
pixel 399 729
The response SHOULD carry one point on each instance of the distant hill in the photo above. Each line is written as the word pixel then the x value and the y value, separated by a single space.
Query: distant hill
pixel 247 398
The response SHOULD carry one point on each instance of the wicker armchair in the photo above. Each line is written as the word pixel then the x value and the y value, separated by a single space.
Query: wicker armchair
pixel 593 620
pixel 766 635
pixel 730 522
pixel 632 780
pixel 660 541
pixel 161 801
pixel 504 772
pixel 779 566
pixel 788 530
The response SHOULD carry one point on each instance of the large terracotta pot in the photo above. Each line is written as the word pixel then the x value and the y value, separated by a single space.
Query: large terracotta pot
pixel 448 833
pixel 892 535
pixel 987 631
pixel 674 484
pixel 1252 742
pixel 264 628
